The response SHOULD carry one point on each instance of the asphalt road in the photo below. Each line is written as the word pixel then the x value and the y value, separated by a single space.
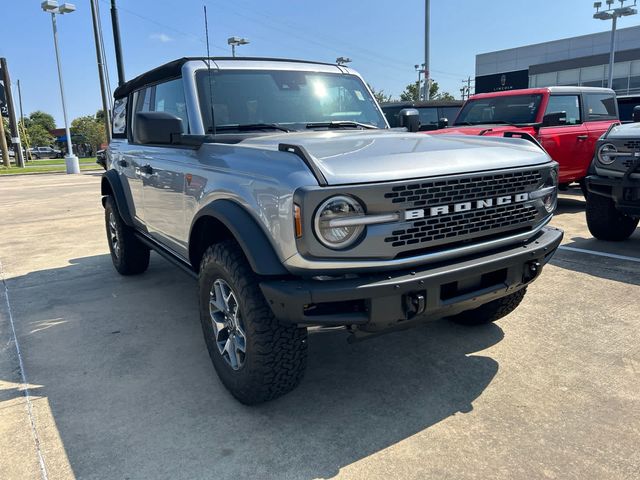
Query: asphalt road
pixel 110 378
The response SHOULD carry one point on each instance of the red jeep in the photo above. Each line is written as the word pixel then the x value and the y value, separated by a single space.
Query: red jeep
pixel 567 121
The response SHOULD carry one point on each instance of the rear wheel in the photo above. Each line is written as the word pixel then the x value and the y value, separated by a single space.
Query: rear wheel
pixel 128 254
pixel 605 222
pixel 256 358
pixel 492 311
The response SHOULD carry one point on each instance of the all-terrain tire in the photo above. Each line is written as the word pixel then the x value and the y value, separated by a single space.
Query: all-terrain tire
pixel 276 354
pixel 128 254
pixel 605 222
pixel 492 311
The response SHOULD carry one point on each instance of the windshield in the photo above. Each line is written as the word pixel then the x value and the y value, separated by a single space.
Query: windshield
pixel 290 99
pixel 515 109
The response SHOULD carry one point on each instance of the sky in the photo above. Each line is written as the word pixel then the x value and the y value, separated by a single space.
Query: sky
pixel 384 39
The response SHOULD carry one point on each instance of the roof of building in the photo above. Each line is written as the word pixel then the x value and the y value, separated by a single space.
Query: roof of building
pixel 174 69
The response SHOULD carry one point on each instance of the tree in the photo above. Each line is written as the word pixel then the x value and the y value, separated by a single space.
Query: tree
pixel 39 117
pixel 100 115
pixel 379 95
pixel 410 93
pixel 37 136
pixel 91 129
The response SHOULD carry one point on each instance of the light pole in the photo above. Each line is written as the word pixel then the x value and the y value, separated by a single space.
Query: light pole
pixel 420 70
pixel 427 77
pixel 234 42
pixel 612 14
pixel 51 6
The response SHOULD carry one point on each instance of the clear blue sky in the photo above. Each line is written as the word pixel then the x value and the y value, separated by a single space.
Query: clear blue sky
pixel 384 38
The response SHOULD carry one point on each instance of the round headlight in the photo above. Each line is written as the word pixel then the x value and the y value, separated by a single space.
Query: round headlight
pixel 334 234
pixel 604 153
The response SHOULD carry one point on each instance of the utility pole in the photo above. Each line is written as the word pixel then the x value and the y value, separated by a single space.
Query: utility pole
pixel 25 138
pixel 15 136
pixel 3 144
pixel 427 77
pixel 466 89
pixel 420 70
pixel 101 76
pixel 116 42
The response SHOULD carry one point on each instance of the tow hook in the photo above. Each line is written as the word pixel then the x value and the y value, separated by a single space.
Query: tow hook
pixel 531 271
pixel 414 304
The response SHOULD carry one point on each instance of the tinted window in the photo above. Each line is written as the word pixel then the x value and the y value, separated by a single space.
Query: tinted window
pixel 289 98
pixel 392 114
pixel 119 116
pixel 569 104
pixel 169 97
pixel 450 113
pixel 502 109
pixel 428 116
pixel 600 106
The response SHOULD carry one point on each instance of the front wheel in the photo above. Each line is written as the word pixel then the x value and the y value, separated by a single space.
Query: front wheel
pixel 605 222
pixel 492 311
pixel 256 358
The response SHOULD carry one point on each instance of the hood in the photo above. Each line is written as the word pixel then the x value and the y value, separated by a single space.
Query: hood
pixel 488 129
pixel 361 156
pixel 625 130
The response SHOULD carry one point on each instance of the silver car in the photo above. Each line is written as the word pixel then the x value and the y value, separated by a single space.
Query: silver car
pixel 279 186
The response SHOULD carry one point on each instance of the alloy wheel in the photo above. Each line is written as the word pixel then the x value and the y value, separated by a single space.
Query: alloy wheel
pixel 227 324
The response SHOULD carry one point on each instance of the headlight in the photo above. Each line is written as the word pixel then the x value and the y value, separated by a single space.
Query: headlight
pixel 604 153
pixel 330 231
pixel 548 192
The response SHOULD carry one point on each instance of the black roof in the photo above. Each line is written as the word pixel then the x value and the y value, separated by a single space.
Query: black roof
pixel 174 69
pixel 428 103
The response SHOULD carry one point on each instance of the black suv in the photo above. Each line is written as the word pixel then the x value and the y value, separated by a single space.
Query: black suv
pixel 434 114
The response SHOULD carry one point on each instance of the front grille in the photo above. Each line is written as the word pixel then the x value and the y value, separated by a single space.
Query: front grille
pixel 632 144
pixel 440 192
pixel 445 228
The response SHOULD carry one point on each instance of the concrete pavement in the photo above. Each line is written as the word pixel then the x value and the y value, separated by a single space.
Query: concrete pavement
pixel 120 385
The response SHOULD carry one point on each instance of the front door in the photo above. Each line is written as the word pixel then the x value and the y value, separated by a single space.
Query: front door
pixel 567 144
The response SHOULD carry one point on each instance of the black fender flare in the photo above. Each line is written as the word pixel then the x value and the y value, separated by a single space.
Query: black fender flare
pixel 245 230
pixel 112 185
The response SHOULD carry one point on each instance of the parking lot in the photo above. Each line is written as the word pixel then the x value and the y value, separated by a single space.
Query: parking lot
pixel 110 377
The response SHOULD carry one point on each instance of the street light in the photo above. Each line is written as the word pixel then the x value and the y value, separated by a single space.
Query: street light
pixel 343 60
pixel 52 7
pixel 234 42
pixel 612 13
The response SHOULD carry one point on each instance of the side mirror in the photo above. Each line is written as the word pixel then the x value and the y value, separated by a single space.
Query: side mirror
pixel 443 123
pixel 157 128
pixel 635 116
pixel 410 119
pixel 554 119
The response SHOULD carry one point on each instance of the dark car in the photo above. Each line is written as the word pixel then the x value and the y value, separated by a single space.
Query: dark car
pixel 433 113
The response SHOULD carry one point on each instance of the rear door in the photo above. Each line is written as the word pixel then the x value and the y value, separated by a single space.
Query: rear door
pixel 568 144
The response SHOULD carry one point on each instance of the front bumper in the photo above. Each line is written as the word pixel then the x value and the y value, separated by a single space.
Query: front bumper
pixel 380 301
pixel 624 190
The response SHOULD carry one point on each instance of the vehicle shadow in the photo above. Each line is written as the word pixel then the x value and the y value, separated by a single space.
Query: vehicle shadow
pixel 125 370
pixel 570 201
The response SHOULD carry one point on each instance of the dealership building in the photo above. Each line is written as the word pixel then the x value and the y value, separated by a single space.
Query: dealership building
pixel 582 60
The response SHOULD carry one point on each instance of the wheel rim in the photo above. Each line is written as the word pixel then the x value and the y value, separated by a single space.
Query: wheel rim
pixel 228 328
pixel 113 235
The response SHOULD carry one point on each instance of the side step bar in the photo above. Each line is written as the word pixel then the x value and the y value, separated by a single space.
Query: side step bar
pixel 166 254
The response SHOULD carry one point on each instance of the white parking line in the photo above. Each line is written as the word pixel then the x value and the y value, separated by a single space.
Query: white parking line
pixel 600 254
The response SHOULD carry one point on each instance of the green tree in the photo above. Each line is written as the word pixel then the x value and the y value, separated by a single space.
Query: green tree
pixel 39 117
pixel 379 95
pixel 91 129
pixel 410 93
pixel 100 115
pixel 37 136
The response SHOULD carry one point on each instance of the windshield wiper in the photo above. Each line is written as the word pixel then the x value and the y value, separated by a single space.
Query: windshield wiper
pixel 253 126
pixel 341 124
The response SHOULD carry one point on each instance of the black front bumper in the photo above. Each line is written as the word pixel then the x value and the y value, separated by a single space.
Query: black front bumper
pixel 624 191
pixel 378 302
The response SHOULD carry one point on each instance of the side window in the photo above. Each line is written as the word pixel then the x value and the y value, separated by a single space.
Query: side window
pixel 141 103
pixel 600 106
pixel 119 117
pixel 570 104
pixel 169 97
pixel 450 113
pixel 428 116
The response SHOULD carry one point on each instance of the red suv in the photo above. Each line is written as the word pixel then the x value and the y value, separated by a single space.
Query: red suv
pixel 567 121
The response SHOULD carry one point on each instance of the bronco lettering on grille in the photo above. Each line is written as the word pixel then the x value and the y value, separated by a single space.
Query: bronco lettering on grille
pixel 465 206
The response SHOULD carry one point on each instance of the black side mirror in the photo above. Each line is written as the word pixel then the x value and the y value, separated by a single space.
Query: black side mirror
pixel 443 123
pixel 554 119
pixel 410 119
pixel 157 128
pixel 635 116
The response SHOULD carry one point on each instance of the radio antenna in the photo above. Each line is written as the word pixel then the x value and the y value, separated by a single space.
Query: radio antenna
pixel 206 31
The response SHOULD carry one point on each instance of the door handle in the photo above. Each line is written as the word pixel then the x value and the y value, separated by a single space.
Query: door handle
pixel 582 137
pixel 146 169
pixel 123 163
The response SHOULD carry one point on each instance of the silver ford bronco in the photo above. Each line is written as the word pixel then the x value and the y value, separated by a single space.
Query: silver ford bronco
pixel 279 186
